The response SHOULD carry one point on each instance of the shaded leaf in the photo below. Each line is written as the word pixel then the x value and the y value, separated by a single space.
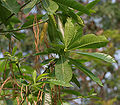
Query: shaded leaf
pixel 74 79
pixel 11 5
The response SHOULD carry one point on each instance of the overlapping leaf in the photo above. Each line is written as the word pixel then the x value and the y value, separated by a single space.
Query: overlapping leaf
pixel 102 56
pixel 73 4
pixel 90 41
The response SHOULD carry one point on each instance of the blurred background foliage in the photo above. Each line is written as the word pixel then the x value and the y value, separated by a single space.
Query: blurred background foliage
pixel 105 21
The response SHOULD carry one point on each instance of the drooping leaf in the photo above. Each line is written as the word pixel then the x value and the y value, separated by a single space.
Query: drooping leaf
pixel 86 71
pixel 29 6
pixel 63 70
pixel 102 56
pixel 59 82
pixel 50 6
pixel 74 79
pixel 11 5
pixel 90 41
pixel 73 4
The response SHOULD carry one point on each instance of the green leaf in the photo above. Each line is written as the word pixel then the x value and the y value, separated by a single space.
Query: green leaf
pixel 50 6
pixel 4 14
pixel 74 79
pixel 92 4
pixel 73 92
pixel 101 56
pixel 2 65
pixel 86 71
pixel 41 76
pixel 70 32
pixel 59 82
pixel 54 35
pixel 73 4
pixel 11 5
pixel 19 36
pixel 63 70
pixel 34 76
pixel 90 41
pixel 14 50
pixel 29 6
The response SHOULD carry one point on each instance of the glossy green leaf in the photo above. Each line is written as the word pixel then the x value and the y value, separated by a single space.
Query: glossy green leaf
pixel 90 41
pixel 11 5
pixel 101 56
pixel 86 71
pixel 50 6
pixel 29 6
pixel 59 82
pixel 73 4
pixel 63 70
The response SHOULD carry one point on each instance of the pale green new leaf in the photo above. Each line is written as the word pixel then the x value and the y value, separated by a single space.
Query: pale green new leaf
pixel 50 6
pixel 34 76
pixel 73 4
pixel 70 32
pixel 11 5
pixel 102 56
pixel 63 70
pixel 90 41
pixel 86 71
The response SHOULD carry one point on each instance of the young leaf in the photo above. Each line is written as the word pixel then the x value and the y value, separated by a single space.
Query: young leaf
pixel 41 76
pixel 102 56
pixel 86 71
pixel 63 70
pixel 90 41
pixel 70 32
pixel 73 4
pixel 11 5
pixel 34 76
pixel 59 82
